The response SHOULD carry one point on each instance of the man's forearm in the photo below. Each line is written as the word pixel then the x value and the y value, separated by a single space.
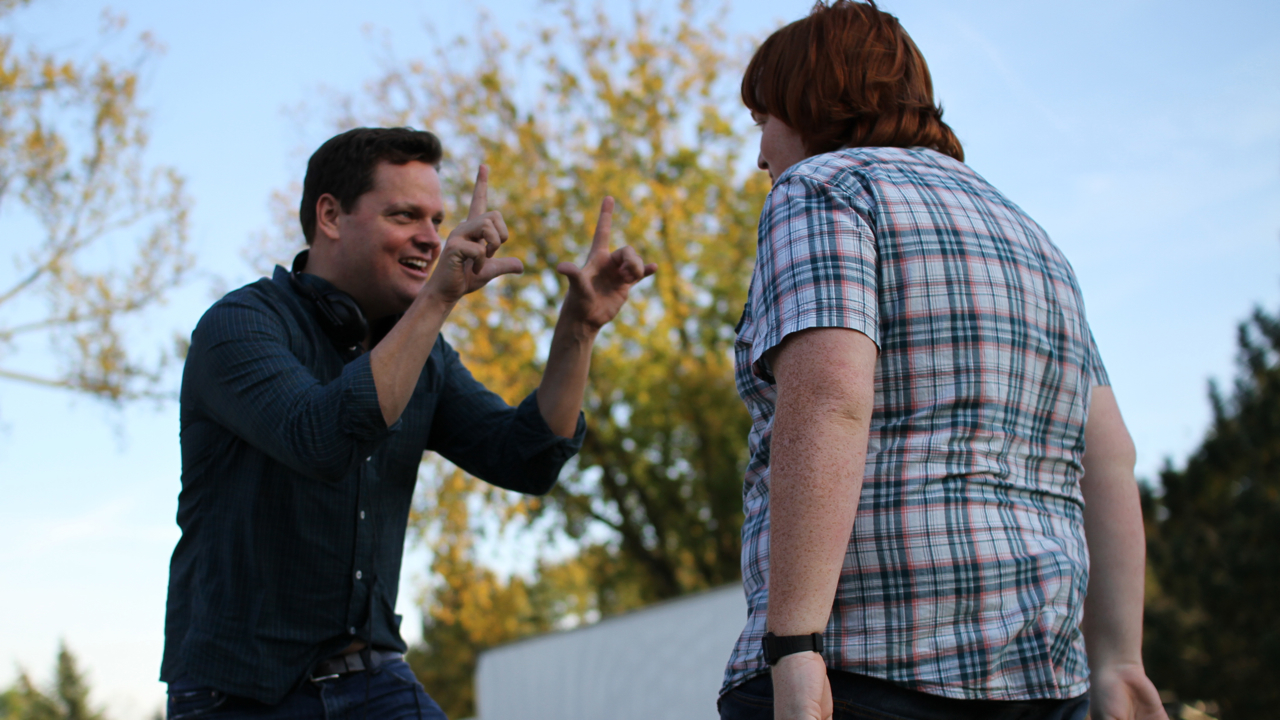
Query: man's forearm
pixel 398 359
pixel 565 379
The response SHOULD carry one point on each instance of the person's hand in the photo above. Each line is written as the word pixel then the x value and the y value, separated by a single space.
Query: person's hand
pixel 1123 693
pixel 467 262
pixel 801 690
pixel 598 289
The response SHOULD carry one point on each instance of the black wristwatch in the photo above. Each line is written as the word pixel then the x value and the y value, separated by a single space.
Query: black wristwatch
pixel 776 647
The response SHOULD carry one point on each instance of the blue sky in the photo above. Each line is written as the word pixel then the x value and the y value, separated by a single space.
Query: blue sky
pixel 1144 136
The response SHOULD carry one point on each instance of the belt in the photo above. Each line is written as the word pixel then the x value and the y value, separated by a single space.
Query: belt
pixel 352 662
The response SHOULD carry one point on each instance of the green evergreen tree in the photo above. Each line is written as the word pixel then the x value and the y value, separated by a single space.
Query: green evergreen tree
pixel 68 699
pixel 1213 547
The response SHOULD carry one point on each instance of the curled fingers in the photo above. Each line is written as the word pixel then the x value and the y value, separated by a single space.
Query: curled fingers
pixel 629 266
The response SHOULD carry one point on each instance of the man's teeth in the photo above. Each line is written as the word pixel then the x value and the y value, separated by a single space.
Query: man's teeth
pixel 414 263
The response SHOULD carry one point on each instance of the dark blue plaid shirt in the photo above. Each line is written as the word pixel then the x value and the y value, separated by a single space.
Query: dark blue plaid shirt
pixel 295 494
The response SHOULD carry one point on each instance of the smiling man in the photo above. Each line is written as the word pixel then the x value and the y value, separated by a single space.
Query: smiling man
pixel 307 402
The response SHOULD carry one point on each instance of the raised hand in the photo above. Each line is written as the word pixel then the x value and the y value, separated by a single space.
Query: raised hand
pixel 598 289
pixel 467 262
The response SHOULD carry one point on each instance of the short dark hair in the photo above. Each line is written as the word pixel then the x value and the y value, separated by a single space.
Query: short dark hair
pixel 343 166
pixel 848 75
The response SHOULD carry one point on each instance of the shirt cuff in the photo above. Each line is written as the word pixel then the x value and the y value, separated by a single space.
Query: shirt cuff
pixel 807 318
pixel 532 433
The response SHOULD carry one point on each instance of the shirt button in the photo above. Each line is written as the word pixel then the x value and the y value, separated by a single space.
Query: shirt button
pixel 351 631
pixel 359 574
pixel 369 459
pixel 361 514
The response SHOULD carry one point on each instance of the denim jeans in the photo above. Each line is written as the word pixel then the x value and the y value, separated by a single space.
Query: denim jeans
pixel 389 692
pixel 858 697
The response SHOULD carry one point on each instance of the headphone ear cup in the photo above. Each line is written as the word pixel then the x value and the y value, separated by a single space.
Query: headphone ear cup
pixel 351 327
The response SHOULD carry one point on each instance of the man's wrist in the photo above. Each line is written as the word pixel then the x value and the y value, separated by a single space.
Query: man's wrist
pixel 433 301
pixel 579 329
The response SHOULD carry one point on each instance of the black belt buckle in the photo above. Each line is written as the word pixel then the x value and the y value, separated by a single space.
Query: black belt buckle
pixel 352 662
pixel 335 667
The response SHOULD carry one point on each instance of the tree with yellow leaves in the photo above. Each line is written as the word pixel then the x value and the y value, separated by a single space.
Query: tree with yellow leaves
pixel 642 115
pixel 96 237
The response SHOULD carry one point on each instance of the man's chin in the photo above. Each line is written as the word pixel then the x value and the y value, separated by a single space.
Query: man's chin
pixel 405 299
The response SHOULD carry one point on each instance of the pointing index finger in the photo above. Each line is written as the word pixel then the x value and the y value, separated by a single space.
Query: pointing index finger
pixel 600 242
pixel 480 195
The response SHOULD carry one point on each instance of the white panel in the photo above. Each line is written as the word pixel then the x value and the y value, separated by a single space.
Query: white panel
pixel 665 661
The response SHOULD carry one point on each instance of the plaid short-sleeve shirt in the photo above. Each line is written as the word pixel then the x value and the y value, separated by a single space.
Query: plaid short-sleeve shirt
pixel 966 569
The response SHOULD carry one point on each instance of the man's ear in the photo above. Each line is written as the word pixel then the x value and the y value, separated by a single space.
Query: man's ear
pixel 327 211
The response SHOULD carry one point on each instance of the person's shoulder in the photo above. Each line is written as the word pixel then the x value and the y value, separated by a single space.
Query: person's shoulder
pixel 266 300
pixel 841 176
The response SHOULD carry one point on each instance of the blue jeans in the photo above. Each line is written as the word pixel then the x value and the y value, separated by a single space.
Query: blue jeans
pixel 858 697
pixel 389 692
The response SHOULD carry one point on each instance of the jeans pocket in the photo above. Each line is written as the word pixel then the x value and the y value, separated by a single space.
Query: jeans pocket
pixel 193 702
pixel 400 670
pixel 751 700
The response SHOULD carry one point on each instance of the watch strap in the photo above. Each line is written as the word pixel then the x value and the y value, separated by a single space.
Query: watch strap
pixel 777 647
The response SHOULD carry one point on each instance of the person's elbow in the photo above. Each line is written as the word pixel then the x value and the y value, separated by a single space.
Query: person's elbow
pixel 1109 448
pixel 535 476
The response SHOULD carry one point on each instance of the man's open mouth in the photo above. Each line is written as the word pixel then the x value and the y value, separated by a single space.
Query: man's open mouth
pixel 415 263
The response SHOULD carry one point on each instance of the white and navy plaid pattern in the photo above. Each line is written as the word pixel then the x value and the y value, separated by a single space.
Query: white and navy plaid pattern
pixel 966 570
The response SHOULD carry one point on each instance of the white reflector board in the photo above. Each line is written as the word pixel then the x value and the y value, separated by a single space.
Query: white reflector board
pixel 663 662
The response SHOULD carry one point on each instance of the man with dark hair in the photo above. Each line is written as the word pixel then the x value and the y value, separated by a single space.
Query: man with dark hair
pixel 307 402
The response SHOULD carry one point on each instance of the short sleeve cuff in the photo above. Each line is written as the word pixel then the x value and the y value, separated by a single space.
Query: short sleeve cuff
pixel 807 318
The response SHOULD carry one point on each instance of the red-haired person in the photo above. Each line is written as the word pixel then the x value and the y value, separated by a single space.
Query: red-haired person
pixel 937 458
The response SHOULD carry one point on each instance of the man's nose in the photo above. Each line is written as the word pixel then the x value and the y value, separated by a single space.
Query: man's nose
pixel 427 236
pixel 760 163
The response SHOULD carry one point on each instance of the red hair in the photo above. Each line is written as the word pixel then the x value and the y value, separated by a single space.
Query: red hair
pixel 848 75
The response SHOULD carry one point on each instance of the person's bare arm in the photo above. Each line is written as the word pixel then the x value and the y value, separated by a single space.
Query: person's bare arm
pixel 466 264
pixel 1117 555
pixel 597 291
pixel 826 392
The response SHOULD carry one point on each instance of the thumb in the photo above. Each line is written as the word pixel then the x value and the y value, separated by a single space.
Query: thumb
pixel 571 272
pixel 495 267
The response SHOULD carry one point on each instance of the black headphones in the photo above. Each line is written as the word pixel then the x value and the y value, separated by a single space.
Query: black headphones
pixel 337 312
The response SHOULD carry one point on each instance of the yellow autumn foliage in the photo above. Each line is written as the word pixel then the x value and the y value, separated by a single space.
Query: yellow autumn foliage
pixel 95 236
